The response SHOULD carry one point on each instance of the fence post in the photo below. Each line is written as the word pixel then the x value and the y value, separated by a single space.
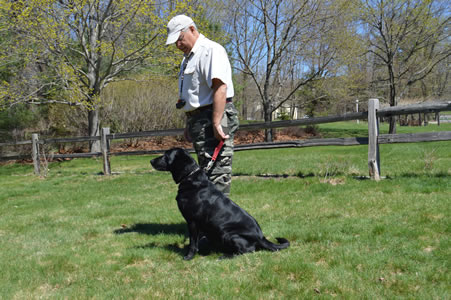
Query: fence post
pixel 35 153
pixel 437 118
pixel 357 108
pixel 373 145
pixel 105 146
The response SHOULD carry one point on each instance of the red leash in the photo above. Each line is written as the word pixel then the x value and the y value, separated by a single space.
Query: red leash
pixel 215 156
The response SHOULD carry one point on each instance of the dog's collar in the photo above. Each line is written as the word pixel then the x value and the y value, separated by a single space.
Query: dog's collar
pixel 189 174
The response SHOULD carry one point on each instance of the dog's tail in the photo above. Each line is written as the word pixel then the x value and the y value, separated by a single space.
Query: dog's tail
pixel 283 243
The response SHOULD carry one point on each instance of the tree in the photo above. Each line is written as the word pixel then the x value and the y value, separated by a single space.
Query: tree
pixel 71 50
pixel 80 46
pixel 408 38
pixel 282 45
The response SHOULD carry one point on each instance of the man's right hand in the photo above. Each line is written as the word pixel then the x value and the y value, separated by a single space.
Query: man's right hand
pixel 219 133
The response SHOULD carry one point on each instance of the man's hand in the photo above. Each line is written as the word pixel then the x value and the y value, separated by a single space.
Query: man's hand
pixel 219 133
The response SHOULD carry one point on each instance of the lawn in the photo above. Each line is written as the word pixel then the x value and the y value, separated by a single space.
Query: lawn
pixel 77 234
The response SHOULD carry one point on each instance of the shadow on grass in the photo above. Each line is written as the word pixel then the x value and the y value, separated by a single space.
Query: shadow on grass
pixel 269 176
pixel 301 175
pixel 154 229
pixel 205 248
pixel 179 229
pixel 420 175
pixel 171 247
pixel 406 175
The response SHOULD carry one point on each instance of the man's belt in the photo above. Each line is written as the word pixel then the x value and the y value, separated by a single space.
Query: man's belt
pixel 199 110
pixel 202 108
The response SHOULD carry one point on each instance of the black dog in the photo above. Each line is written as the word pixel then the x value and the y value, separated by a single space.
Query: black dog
pixel 209 212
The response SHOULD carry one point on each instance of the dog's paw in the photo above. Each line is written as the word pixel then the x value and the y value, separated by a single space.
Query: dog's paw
pixel 188 257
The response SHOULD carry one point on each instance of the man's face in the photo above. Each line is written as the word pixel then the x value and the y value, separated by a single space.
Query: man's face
pixel 186 40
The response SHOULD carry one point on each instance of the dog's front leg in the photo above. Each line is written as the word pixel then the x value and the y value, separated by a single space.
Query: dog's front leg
pixel 193 241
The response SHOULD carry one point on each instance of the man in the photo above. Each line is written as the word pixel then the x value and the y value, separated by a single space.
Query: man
pixel 205 94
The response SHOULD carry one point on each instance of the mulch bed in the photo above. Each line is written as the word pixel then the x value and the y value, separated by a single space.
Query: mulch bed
pixel 241 137
pixel 164 143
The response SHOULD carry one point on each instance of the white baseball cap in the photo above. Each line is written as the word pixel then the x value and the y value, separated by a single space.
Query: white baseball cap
pixel 176 25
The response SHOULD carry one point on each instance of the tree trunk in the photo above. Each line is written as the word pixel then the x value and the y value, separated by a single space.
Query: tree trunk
pixel 244 103
pixel 392 119
pixel 268 135
pixel 392 127
pixel 94 129
pixel 268 118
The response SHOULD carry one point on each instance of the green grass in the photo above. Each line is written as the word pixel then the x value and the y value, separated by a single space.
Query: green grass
pixel 353 238
pixel 352 129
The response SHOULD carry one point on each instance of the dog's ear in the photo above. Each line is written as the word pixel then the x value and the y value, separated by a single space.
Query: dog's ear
pixel 177 157
pixel 180 163
pixel 171 157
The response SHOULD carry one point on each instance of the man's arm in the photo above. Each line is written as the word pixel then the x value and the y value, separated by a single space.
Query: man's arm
pixel 219 102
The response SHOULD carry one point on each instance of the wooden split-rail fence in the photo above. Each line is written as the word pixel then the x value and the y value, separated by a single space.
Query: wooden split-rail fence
pixel 373 115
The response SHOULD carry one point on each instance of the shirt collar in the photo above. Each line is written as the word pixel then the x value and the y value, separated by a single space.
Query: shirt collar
pixel 196 45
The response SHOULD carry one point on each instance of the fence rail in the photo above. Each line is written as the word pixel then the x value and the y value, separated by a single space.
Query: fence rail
pixel 373 140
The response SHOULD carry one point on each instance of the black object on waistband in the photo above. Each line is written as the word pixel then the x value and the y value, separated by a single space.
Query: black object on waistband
pixel 228 100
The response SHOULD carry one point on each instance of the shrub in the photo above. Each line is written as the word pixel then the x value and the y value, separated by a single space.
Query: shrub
pixel 132 106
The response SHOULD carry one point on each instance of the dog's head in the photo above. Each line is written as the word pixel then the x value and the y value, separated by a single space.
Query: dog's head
pixel 177 161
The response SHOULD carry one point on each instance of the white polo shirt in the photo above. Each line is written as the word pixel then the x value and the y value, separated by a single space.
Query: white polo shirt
pixel 207 60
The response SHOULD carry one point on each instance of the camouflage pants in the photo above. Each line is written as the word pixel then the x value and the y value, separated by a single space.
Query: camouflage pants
pixel 200 128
